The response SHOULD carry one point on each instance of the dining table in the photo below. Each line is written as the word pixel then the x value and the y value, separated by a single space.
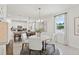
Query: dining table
pixel 42 38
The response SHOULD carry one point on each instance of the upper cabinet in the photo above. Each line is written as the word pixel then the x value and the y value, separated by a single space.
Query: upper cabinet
pixel 3 11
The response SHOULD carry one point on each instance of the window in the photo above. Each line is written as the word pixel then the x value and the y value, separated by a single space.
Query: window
pixel 59 23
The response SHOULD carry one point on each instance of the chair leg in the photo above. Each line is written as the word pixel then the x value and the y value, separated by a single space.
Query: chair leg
pixel 45 46
pixel 40 52
pixel 29 52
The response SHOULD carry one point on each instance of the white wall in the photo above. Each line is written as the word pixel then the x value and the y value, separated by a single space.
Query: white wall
pixel 73 40
pixel 20 23
pixel 50 25
pixel 3 11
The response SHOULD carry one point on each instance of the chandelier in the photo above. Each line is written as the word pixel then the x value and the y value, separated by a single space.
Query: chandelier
pixel 39 22
pixel 39 14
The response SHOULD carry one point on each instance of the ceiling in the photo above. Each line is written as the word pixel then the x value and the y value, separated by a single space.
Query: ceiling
pixel 31 10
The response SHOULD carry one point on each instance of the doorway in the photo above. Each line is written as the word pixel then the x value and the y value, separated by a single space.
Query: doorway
pixel 61 28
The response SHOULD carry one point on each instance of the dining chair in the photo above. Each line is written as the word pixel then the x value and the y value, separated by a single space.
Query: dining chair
pixel 24 37
pixel 51 39
pixel 25 49
pixel 35 44
pixel 9 48
pixel 45 38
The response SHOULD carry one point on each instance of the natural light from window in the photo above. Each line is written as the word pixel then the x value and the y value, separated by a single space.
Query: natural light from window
pixel 59 23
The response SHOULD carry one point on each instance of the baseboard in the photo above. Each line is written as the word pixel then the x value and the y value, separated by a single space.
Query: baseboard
pixel 62 43
pixel 73 46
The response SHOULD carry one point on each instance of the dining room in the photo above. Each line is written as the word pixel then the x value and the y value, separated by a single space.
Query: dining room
pixel 39 29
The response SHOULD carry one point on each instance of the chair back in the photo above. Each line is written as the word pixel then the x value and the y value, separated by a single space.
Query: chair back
pixel 24 36
pixel 45 34
pixel 35 44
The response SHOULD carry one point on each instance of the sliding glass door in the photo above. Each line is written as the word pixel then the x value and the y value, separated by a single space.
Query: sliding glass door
pixel 59 23
pixel 60 28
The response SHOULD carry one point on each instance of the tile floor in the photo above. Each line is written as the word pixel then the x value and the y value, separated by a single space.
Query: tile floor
pixel 67 50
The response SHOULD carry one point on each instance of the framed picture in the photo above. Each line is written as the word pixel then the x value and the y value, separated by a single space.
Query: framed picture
pixel 76 25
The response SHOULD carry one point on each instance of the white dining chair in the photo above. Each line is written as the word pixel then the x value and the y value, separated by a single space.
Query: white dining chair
pixel 51 39
pixel 35 44
pixel 24 37
pixel 45 37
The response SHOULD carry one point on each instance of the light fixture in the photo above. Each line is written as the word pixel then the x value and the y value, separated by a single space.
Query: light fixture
pixel 39 15
pixel 39 22
pixel 1 13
